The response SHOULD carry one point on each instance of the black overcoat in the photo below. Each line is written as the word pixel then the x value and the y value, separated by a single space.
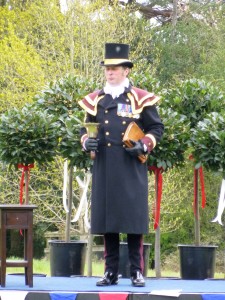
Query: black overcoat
pixel 119 202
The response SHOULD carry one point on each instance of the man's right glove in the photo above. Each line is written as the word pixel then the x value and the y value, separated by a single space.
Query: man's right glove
pixel 91 144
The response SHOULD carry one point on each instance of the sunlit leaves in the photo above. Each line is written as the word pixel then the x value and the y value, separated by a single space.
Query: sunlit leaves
pixel 170 151
pixel 27 136
pixel 208 142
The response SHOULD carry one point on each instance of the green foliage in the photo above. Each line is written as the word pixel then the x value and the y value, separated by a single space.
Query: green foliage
pixel 46 29
pixel 70 146
pixel 171 149
pixel 208 142
pixel 212 53
pixel 20 66
pixel 27 136
pixel 96 24
pixel 146 81
pixel 60 98
pixel 194 98
pixel 185 50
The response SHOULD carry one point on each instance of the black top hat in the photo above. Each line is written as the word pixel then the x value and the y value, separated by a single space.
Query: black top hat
pixel 116 55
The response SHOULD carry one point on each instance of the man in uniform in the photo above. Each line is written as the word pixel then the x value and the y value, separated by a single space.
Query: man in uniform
pixel 119 202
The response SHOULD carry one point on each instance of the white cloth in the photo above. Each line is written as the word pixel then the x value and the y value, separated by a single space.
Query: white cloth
pixel 221 204
pixel 115 91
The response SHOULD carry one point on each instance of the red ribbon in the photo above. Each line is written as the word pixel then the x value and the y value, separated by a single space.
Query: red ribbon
pixel 202 187
pixel 158 187
pixel 201 176
pixel 25 168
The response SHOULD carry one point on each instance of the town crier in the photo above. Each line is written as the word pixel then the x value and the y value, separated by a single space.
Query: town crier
pixel 119 199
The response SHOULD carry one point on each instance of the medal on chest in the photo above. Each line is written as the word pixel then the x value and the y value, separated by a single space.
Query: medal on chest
pixel 125 110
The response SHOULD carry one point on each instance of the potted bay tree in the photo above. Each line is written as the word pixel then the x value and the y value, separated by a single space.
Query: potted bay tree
pixel 67 256
pixel 196 99
pixel 169 153
pixel 208 147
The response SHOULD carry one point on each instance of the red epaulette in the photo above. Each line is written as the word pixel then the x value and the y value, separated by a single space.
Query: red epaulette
pixel 140 98
pixel 89 103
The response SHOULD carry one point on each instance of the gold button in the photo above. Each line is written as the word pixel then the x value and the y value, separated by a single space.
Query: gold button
pixel 107 133
pixel 122 133
pixel 124 122
pixel 124 146
pixel 109 144
pixel 127 100
pixel 106 121
pixel 106 111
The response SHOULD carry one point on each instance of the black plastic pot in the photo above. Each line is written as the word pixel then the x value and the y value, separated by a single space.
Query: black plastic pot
pixel 67 259
pixel 124 264
pixel 197 262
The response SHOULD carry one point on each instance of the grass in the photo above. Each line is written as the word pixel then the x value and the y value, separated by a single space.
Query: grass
pixel 42 266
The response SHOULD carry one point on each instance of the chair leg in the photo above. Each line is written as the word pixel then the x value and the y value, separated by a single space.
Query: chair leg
pixel 26 276
pixel 3 275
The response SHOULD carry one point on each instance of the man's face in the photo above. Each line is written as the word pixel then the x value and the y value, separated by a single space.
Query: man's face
pixel 115 75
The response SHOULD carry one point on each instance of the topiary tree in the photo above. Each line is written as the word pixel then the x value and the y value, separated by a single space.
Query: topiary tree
pixel 195 98
pixel 169 153
pixel 28 136
pixel 61 99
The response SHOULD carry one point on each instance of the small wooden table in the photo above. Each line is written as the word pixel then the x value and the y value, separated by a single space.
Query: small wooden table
pixel 17 217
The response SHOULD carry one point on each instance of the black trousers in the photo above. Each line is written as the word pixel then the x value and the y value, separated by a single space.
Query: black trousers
pixel 135 250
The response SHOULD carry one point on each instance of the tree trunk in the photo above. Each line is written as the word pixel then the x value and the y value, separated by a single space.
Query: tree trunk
pixel 157 233
pixel 70 198
pixel 196 209
pixel 26 172
pixel 174 16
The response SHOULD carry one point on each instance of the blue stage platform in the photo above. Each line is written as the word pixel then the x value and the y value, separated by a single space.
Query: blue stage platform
pixel 84 288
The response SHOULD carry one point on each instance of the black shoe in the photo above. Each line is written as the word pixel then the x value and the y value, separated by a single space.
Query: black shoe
pixel 108 279
pixel 137 279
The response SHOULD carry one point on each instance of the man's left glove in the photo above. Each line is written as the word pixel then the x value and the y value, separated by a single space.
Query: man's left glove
pixel 137 149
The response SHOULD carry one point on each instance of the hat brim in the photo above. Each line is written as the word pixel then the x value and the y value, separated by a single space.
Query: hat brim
pixel 117 62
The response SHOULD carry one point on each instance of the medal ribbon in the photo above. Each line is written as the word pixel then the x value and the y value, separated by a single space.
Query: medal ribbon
pixel 158 188
pixel 24 168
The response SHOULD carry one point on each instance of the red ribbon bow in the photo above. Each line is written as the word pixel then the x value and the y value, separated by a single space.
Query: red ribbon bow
pixel 25 168
pixel 158 188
